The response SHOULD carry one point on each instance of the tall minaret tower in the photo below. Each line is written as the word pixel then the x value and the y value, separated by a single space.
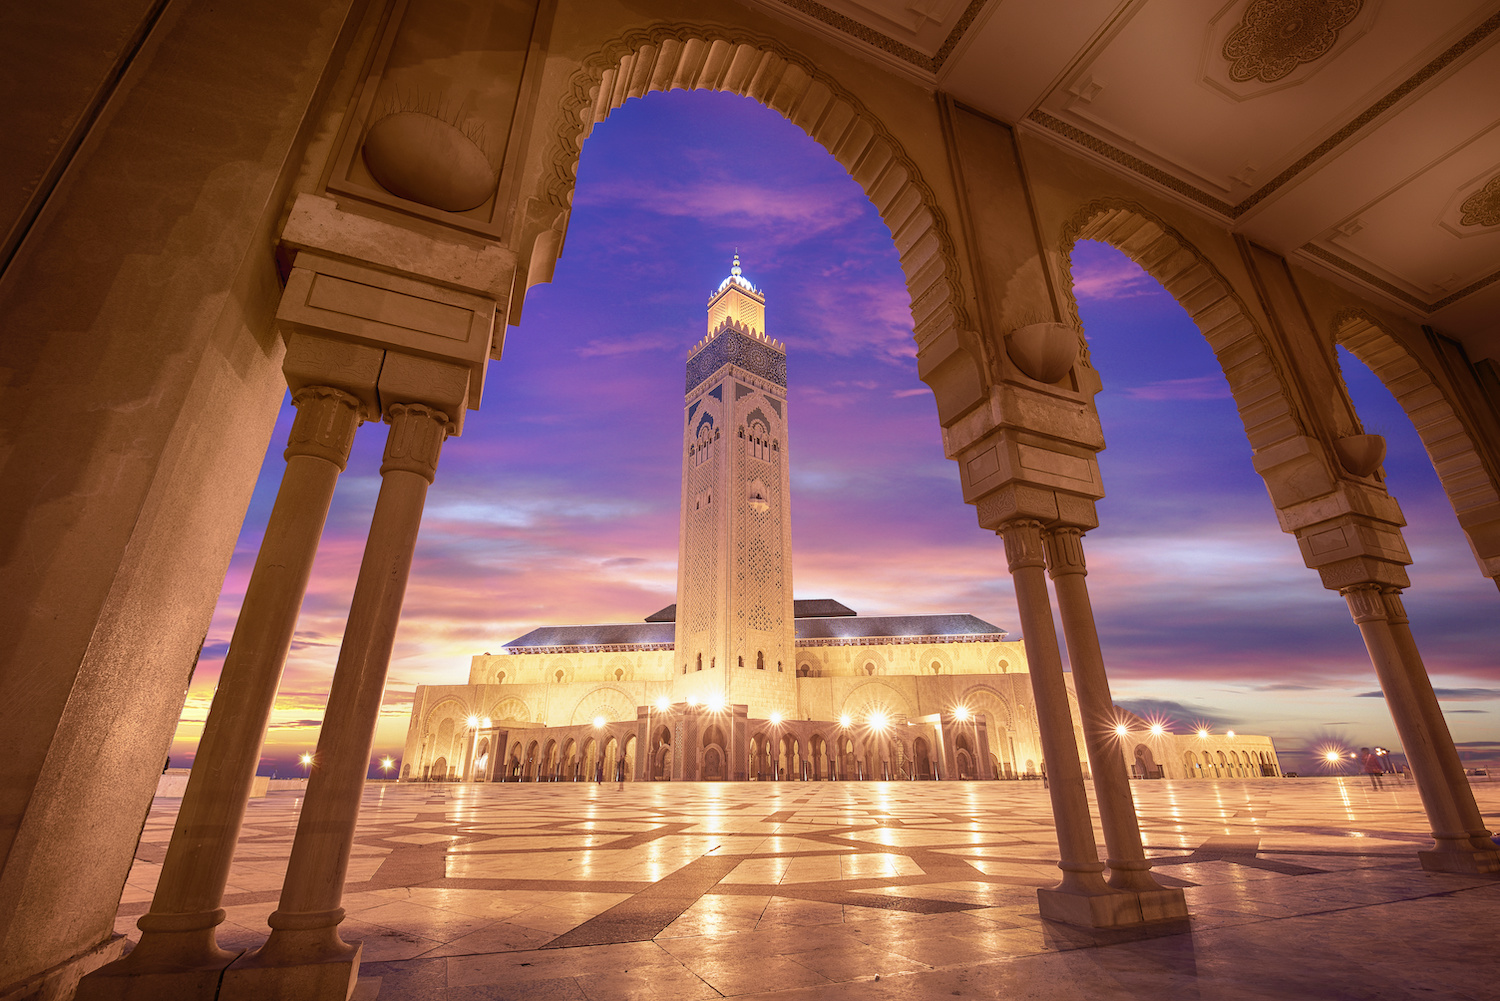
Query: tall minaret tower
pixel 734 573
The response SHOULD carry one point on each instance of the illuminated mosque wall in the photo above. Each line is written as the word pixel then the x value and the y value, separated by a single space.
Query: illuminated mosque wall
pixel 736 680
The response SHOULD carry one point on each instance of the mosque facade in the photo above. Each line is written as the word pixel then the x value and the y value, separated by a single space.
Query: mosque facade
pixel 737 680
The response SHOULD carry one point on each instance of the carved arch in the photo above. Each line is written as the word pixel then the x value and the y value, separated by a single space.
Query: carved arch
pixel 1261 394
pixel 875 695
pixel 1467 479
pixel 706 56
pixel 614 704
pixel 446 707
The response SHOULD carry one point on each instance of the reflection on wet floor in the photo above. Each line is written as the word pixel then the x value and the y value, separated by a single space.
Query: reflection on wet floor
pixel 1298 888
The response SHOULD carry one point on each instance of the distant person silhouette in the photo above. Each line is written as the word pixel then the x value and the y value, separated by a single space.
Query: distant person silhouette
pixel 1370 762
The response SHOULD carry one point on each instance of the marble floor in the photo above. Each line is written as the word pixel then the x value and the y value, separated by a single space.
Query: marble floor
pixel 1299 888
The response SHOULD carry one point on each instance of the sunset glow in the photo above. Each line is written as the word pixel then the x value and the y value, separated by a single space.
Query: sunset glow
pixel 559 502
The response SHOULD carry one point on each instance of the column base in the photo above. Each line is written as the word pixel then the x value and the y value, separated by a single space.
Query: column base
pixel 60 980
pixel 332 979
pixel 1090 909
pixel 1474 862
pixel 125 984
pixel 1165 903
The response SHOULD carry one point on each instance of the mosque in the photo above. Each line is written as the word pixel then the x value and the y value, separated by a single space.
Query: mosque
pixel 212 204
pixel 737 680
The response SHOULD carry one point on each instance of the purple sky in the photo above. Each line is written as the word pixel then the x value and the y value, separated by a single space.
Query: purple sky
pixel 559 503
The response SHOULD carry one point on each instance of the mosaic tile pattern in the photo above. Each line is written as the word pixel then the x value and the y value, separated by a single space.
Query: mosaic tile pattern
pixel 1298 888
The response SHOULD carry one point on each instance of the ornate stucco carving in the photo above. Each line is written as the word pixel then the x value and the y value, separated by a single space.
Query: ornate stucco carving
pixel 1159 249
pixel 1482 208
pixel 707 56
pixel 1276 36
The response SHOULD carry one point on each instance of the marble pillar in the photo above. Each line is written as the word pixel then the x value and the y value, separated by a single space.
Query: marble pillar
pixel 1452 849
pixel 305 959
pixel 177 955
pixel 1455 782
pixel 1128 868
pixel 1082 898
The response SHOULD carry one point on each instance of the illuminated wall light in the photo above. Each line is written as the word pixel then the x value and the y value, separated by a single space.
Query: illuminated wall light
pixel 661 704
pixel 1122 729
pixel 598 722
pixel 776 719
pixel 845 721
pixel 473 722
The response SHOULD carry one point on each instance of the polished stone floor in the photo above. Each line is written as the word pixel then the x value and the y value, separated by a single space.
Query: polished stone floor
pixel 1299 888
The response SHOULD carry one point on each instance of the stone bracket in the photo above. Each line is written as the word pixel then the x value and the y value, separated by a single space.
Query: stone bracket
pixel 426 332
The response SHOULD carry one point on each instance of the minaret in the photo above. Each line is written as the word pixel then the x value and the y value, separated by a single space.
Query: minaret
pixel 734 573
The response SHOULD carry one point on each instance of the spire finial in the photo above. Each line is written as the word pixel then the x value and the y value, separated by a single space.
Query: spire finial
pixel 736 268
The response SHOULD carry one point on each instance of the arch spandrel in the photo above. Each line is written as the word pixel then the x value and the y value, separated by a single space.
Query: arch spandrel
pixel 680 55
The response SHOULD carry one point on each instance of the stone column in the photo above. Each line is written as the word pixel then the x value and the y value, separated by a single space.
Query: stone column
pixel 177 955
pixel 1128 867
pixel 304 959
pixel 1487 857
pixel 1451 836
pixel 1083 898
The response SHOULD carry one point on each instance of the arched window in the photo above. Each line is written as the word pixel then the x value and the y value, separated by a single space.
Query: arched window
pixel 937 668
pixel 619 674
pixel 760 660
pixel 700 662
pixel 778 667
pixel 870 668
pixel 558 676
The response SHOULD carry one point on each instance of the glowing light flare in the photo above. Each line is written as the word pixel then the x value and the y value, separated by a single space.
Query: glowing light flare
pixel 1122 730
pixel 473 722
pixel 661 704
pixel 845 721
pixel 487 722
pixel 716 704
pixel 387 763
pixel 1203 734
pixel 878 720
pixel 1157 729
pixel 1229 734
pixel 599 722
pixel 961 713
pixel 306 759
pixel 775 719
pixel 692 700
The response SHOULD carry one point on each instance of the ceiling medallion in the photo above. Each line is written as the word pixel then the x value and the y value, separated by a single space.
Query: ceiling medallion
pixel 1482 208
pixel 1276 36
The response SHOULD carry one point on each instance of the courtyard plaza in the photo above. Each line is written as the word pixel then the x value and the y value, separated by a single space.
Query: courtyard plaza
pixel 1298 888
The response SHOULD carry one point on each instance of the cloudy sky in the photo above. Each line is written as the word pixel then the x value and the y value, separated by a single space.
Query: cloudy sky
pixel 559 503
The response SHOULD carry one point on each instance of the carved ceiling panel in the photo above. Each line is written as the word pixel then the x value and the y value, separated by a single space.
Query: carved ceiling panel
pixel 1274 37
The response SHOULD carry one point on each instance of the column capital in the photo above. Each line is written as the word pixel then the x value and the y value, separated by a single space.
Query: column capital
pixel 325 424
pixel 415 439
pixel 1366 604
pixel 1023 543
pixel 1395 609
pixel 1063 546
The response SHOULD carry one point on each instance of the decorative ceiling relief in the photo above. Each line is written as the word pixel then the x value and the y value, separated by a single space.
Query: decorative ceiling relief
pixel 1276 36
pixel 1482 208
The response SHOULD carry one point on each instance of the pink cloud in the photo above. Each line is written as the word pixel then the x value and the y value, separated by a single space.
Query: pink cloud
pixel 1111 279
pixel 1203 387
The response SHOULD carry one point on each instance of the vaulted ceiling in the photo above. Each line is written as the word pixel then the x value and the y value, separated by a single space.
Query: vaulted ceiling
pixel 1360 138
